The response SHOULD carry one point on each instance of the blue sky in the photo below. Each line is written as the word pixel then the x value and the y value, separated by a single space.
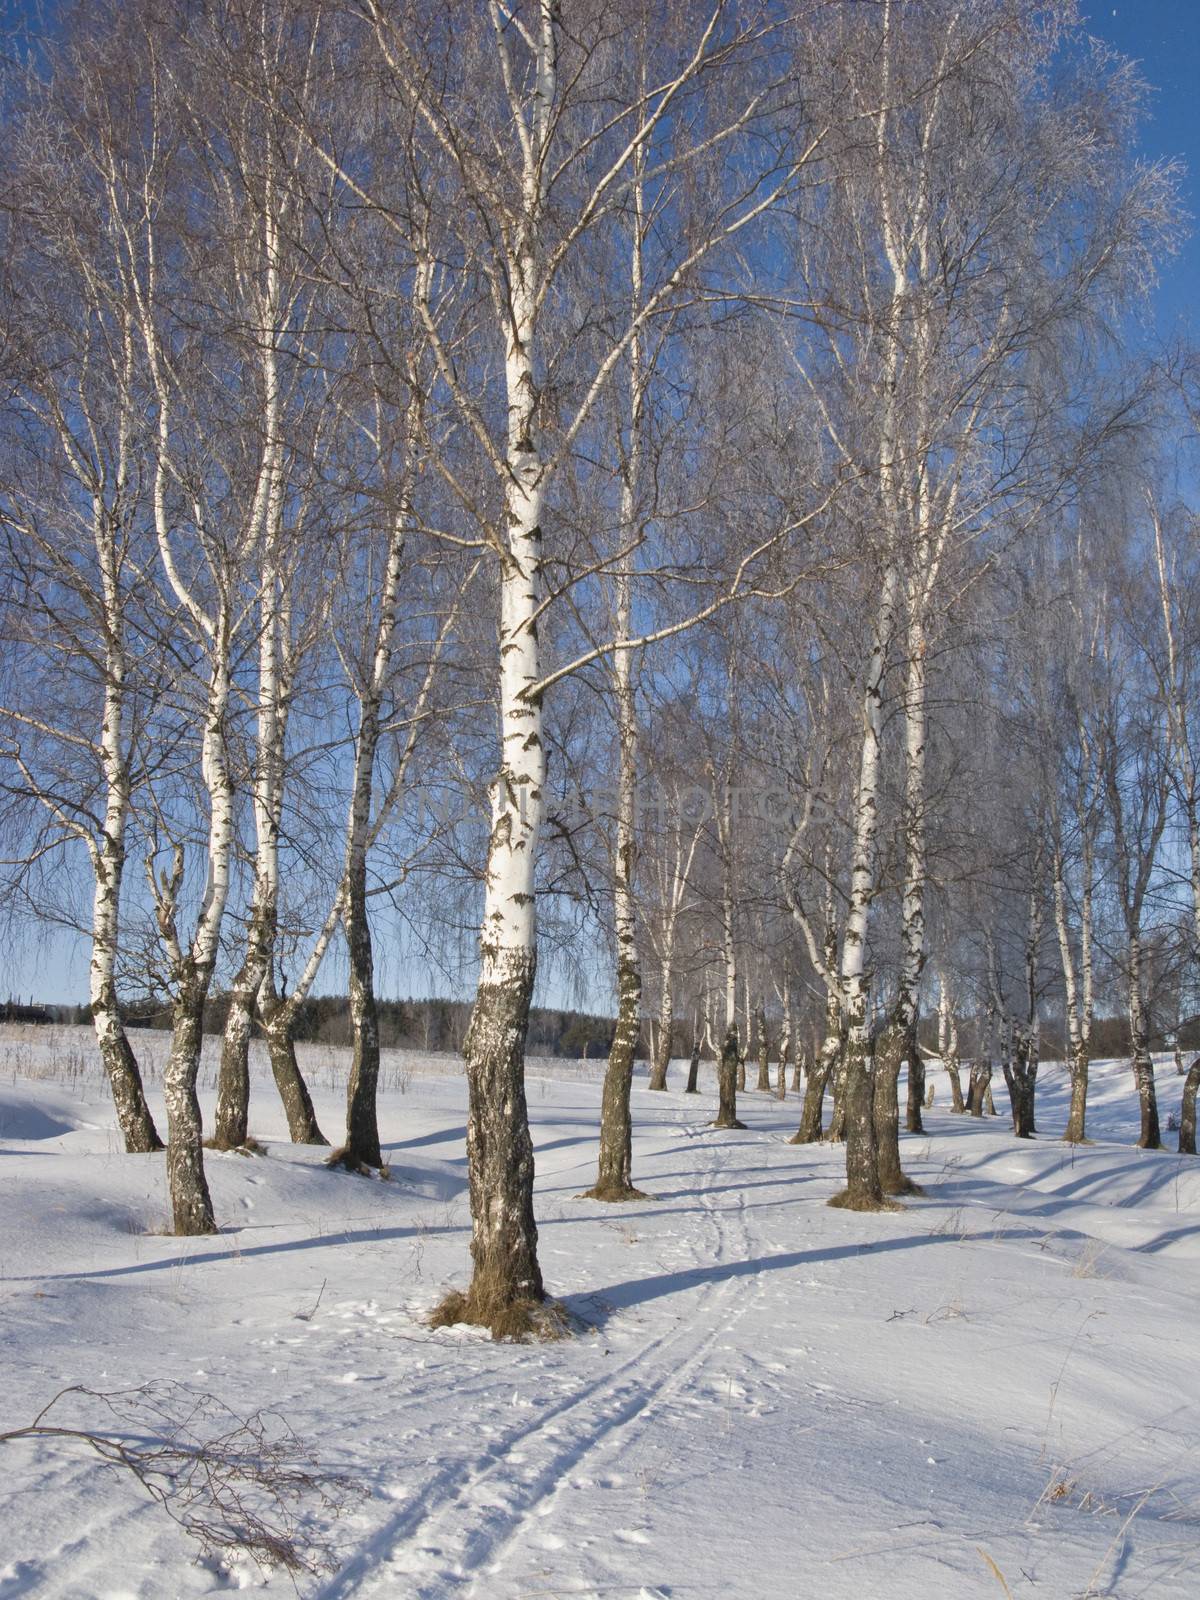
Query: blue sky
pixel 1162 35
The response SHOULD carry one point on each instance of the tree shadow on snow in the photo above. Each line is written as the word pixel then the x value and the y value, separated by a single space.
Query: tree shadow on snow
pixel 438 1136
pixel 334 1240
pixel 599 1304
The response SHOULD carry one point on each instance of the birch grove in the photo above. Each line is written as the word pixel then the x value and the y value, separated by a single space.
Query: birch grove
pixel 671 503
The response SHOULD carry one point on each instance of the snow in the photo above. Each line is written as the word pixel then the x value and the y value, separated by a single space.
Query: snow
pixel 990 1391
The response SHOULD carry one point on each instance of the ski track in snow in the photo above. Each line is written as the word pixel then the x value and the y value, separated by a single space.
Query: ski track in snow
pixel 460 1525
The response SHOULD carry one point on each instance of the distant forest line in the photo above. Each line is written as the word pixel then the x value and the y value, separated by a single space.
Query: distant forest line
pixel 441 1025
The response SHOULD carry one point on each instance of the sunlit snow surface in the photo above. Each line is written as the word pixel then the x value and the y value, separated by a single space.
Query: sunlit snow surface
pixel 767 1398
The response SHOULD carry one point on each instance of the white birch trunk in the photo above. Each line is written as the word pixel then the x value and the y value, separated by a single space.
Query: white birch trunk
pixel 730 1060
pixel 863 1191
pixel 190 1200
pixel 231 1125
pixel 614 1178
pixel 108 858
pixel 507 1278
pixel 1077 985
pixel 666 1011
pixel 948 1044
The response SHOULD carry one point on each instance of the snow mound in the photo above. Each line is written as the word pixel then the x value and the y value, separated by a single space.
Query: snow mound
pixel 24 1120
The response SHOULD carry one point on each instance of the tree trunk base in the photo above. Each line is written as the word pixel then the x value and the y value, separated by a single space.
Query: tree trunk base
pixel 614 1193
pixel 503 1317
pixel 125 1080
pixel 293 1091
pixel 250 1146
pixel 349 1160
pixel 193 1223
pixel 845 1201
pixel 727 1122
pixel 902 1185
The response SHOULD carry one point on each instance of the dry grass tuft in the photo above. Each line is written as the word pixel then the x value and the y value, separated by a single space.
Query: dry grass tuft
pixel 250 1147
pixel 344 1158
pixel 845 1201
pixel 487 1304
pixel 906 1185
pixel 1089 1262
pixel 614 1193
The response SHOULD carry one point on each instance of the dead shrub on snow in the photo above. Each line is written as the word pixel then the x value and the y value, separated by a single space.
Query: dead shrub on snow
pixel 238 1485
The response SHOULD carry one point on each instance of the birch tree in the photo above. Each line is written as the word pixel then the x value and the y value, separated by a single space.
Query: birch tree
pixel 1175 665
pixel 73 509
pixel 533 159
pixel 211 489
pixel 1136 793
pixel 255 163
pixel 955 455
pixel 674 851
pixel 1073 813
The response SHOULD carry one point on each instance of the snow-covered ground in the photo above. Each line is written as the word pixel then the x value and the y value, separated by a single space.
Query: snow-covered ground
pixel 991 1392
